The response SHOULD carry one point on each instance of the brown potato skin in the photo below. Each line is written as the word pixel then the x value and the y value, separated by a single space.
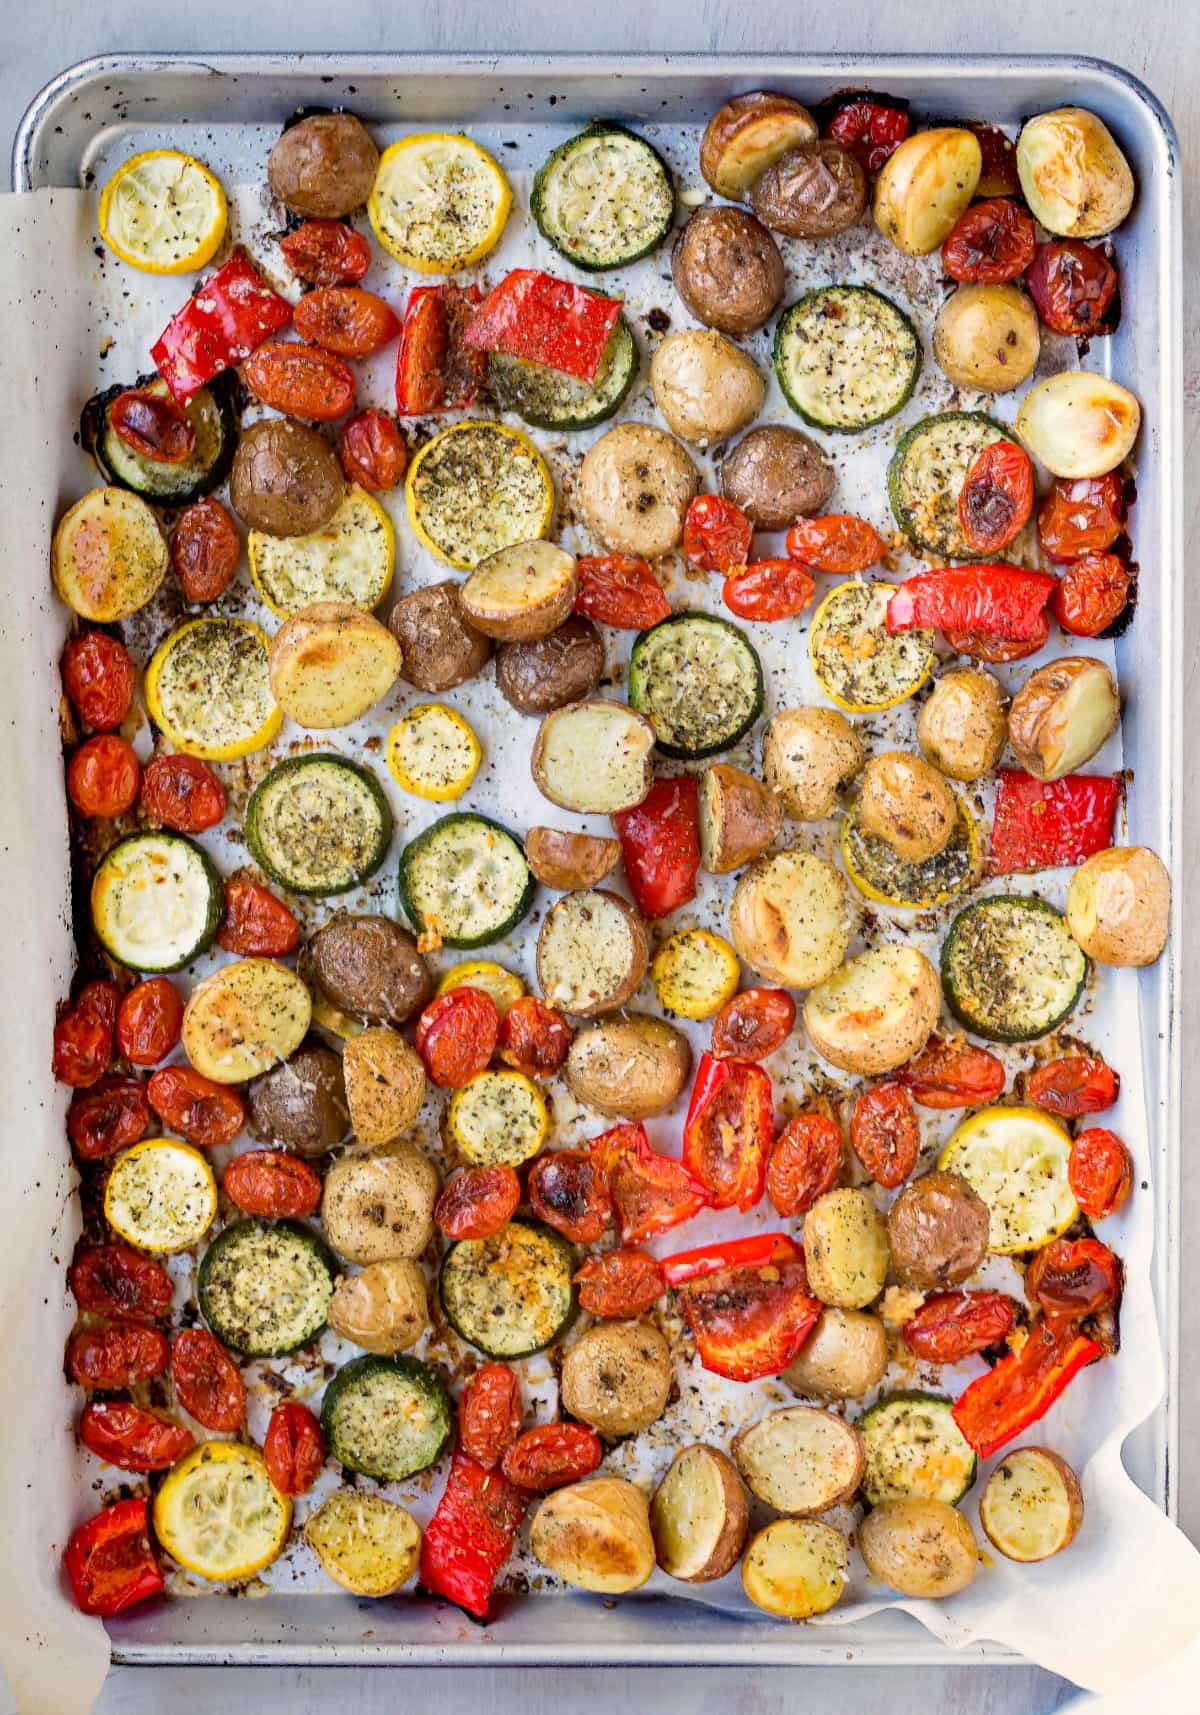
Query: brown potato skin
pixel 617 1377
pixel 568 862
pixel 727 1549
pixel 814 191
pixel 938 1231
pixel 809 755
pixel 1119 906
pixel 370 968
pixel 728 270
pixel 441 647
pixel 1035 718
pixel 630 1066
pixel 547 672
pixel 844 1357
pixel 746 818
pixel 385 1084
pixel 904 801
pixel 962 727
pixel 385 1309
pixel 286 479
pixel 635 486
pixel 919 1547
pixel 986 336
pixel 747 113
pixel 324 166
pixel 776 475
pixel 301 1104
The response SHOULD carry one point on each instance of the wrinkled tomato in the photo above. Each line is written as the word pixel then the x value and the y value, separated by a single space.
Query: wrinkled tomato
pixel 651 1193
pixel 953 1075
pixel 990 242
pixel 1073 1277
pixel 1083 515
pixel 153 426
pixel 1092 594
pixel 949 1326
pixel 119 1355
pixel 181 793
pixel 132 1438
pixel 109 1115
pixel 805 1163
pixel 1100 1172
pixel 326 253
pixel 996 500
pixel 294 1448
pixel 373 452
pixel 569 1191
pixel 457 1035
pixel 838 544
pixel 534 1037
pixel 83 1035
pixel 103 776
pixel 300 380
pixel 768 590
pixel 346 320
pixel 256 924
pixel 620 590
pixel 194 1107
pixel 208 1383
pixel 489 1415
pixel 477 1202
pixel 753 1024
pixel 99 678
pixel 205 550
pixel 110 1560
pixel 116 1280
pixel 999 177
pixel 716 534
pixel 660 845
pixel 729 1130
pixel 551 1456
pixel 747 1320
pixel 620 1284
pixel 1072 285
pixel 149 1020
pixel 871 130
pixel 271 1183
pixel 885 1135
pixel 1074 1085
pixel 997 650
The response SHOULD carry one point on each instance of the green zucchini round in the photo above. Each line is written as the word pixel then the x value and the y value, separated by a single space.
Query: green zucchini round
pixel 214 418
pixel 1011 970
pixel 847 357
pixel 318 824
pixel 465 879
pixel 512 1294
pixel 264 1286
pixel 926 475
pixel 623 214
pixel 699 682
pixel 386 1417
pixel 551 399
pixel 915 1450
pixel 157 901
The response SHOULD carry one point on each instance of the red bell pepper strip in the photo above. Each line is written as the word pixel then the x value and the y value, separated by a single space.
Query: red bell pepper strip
pixel 651 1193
pixel 228 318
pixel 729 1130
pixel 753 1251
pixel 470 1536
pixel 997 601
pixel 110 1560
pixel 1042 824
pixel 541 319
pixel 660 845
pixel 1022 1387
pixel 748 1319
pixel 434 372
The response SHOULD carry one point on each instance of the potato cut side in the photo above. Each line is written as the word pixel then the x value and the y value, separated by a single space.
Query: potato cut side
pixel 1032 1505
pixel 365 1543
pixel 747 136
pixel 521 592
pixel 876 1012
pixel 800 1460
pixel 924 187
pixel 698 1516
pixel 1078 424
pixel 592 953
pixel 594 757
pixel 789 918
pixel 796 1568
pixel 330 663
pixel 245 1018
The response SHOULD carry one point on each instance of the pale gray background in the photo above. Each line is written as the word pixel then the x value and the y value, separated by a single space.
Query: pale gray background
pixel 1159 40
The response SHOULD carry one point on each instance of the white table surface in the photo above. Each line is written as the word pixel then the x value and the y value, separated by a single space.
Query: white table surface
pixel 1158 40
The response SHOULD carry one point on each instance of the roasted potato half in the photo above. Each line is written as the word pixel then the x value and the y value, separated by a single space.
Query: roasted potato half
pixel 1074 176
pixel 1032 1505
pixel 796 1567
pixel 937 1231
pixel 905 802
pixel 699 1515
pixel 1062 715
pixel 384 1309
pixel 1119 906
pixel 809 755
pixel 739 818
pixel 592 952
pixel 800 1460
pixel 440 646
pixel 789 918
pixel 521 592
pixel 743 138
pixel 635 486
pixel 385 1084
pixel 962 727
pixel 1079 424
pixel 379 1206
pixel 630 1066
pixel 330 663
pixel 876 1012
pixel 846 1248
pixel 815 190
pixel 705 387
pixel 844 1357
pixel 925 185
pixel 617 1377
pixel 595 757
pixel 567 861
pixel 595 1534
pixel 987 337
pixel 919 1547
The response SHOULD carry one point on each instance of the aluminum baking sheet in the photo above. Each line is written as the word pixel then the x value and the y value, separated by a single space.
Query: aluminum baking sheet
pixel 227 111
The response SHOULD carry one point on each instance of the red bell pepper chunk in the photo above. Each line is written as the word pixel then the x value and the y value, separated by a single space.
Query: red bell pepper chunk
pixel 729 1130
pixel 747 1304
pixel 110 1560
pixel 660 845
pixel 434 371
pixel 651 1193
pixel 541 319
pixel 751 1252
pixel 1022 1387
pixel 228 318
pixel 1042 824
pixel 470 1536
pixel 998 601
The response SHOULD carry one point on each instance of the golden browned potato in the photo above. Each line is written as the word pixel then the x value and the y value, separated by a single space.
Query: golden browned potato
pixel 776 475
pixel 568 862
pixel 907 803
pixel 790 919
pixel 595 1534
pixel 846 1248
pixel 1074 176
pixel 323 166
pixel 844 1357
pixel 986 336
pixel 370 967
pixel 800 1460
pixel 727 269
pixel 635 486
pixel 109 555
pixel 592 952
pixel 1119 906
pixel 617 1377
pixel 745 136
pixel 699 1516
pixel 962 727
pixel 521 592
pixel 876 1012
pixel 330 663
pixel 378 1206
pixel 739 818
pixel 385 1084
pixel 1062 715
pixel 1032 1506
pixel 704 386
pixel 286 479
pixel 1078 423
pixel 630 1066
pixel 808 756
pixel 385 1309
pixel 925 185
pixel 796 1567
pixel 919 1547
pixel 937 1231
pixel 813 191
pixel 441 647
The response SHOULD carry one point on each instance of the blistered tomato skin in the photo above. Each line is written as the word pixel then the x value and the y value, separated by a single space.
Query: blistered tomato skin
pixel 534 1038
pixel 949 1075
pixel 991 242
pixel 346 320
pixel 1074 1085
pixel 116 1280
pixel 119 1355
pixel 620 590
pixel 1092 594
pixel 154 427
pixel 837 543
pixel 109 1115
pixel 1072 285
pixel 99 679
pixel 950 1326
pixel 716 534
pixel 552 1455
pixel 103 777
pixel 294 1448
pixel 110 1560
pixel 871 130
pixel 205 550
pixel 805 1162
pixel 149 1021
pixel 1073 1277
pixel 181 793
pixel 132 1438
pixel 256 924
pixel 194 1107
pixel 568 1190
pixel 489 1415
pixel 1082 516
pixel 457 1035
pixel 326 253
pixel 885 1134
pixel 373 452
pixel 273 1184
pixel 1100 1172
pixel 997 498
pixel 477 1202
pixel 769 589
pixel 208 1383
pixel 84 1035
pixel 620 1284
pixel 753 1024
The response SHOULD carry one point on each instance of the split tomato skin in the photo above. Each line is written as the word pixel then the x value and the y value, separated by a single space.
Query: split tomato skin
pixel 1073 286
pixel 326 253
pixel 110 1561
pixel 272 1184
pixel 195 1107
pixel 117 1281
pixel 885 1134
pixel 996 500
pixel 1074 1277
pixel 154 427
pixel 457 1035
pixel 805 1163
pixel 1100 1172
pixel 568 1189
pixel 118 1355
pixel 753 1024
pixel 620 1284
pixel 950 1326
pixel 103 777
pixel 477 1202
pixel 294 1448
pixel 950 1075
pixel 149 1021
pixel 489 1415
pixel 208 1384
pixel 131 1437
pixel 110 1115
pixel 181 793
pixel 871 130
pixel 99 678
pixel 716 534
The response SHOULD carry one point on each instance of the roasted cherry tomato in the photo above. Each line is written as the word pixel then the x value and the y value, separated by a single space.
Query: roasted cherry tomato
pixel 949 1326
pixel 103 776
pixel 99 677
pixel 346 320
pixel 620 590
pixel 153 426
pixel 477 1202
pixel 992 241
pixel 1072 285
pixel 660 845
pixel 551 1456
pixel 208 1383
pixel 300 380
pixel 121 1354
pixel 871 129
pixel 885 1135
pixel 620 1284
pixel 83 1035
pixel 326 253
pixel 534 1037
pixel 729 1130
pixel 294 1448
pixel 182 793
pixel 716 534
pixel 256 924
pixel 109 1115
pixel 1100 1172
pixel 1073 1277
pixel 651 1193
pixel 116 1280
pixel 194 1107
pixel 997 650
pixel 132 1438
pixel 838 544
pixel 205 550
pixel 457 1035
pixel 768 590
pixel 1077 1084
pixel 952 1075
pixel 149 1020
pixel 569 1191
pixel 1092 594
pixel 110 1560
pixel 997 498
pixel 1082 515
pixel 805 1163
pixel 753 1024
pixel 999 177
pixel 489 1415
pixel 373 452
pixel 272 1183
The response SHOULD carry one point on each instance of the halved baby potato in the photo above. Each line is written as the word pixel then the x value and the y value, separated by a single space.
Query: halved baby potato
pixel 800 1460
pixel 521 592
pixel 790 920
pixel 592 952
pixel 699 1515
pixel 876 1012
pixel 1032 1505
pixel 330 663
pixel 739 818
pixel 1119 906
pixel 594 757
pixel 925 185
pixel 748 135
pixel 844 1357
pixel 846 1248
pixel 1079 424
pixel 385 1084
pixel 694 973
pixel 796 1568
pixel 1075 178
pixel 245 1018
pixel 567 861
pixel 368 1545
pixel 1062 715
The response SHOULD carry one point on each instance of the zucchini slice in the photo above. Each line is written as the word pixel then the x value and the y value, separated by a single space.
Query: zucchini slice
pixel 244 1018
pixel 914 1449
pixel 497 1117
pixel 219 1514
pixel 882 876
pixel 926 477
pixel 386 1417
pixel 858 665
pixel 604 198
pixel 1016 1159
pixel 465 880
pixel 846 357
pixel 109 556
pixel 694 973
pixel 698 680
pixel 264 1287
pixel 157 902
pixel 368 1545
pixel 350 560
pixel 214 419
pixel 318 824
pixel 1011 969
pixel 551 399
pixel 433 752
pixel 1032 1505
pixel 208 688
pixel 161 1196
pixel 509 1295
pixel 476 488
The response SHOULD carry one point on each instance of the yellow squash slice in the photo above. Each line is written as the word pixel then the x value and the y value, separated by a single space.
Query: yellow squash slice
pixel 163 212
pixel 219 1514
pixel 439 202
